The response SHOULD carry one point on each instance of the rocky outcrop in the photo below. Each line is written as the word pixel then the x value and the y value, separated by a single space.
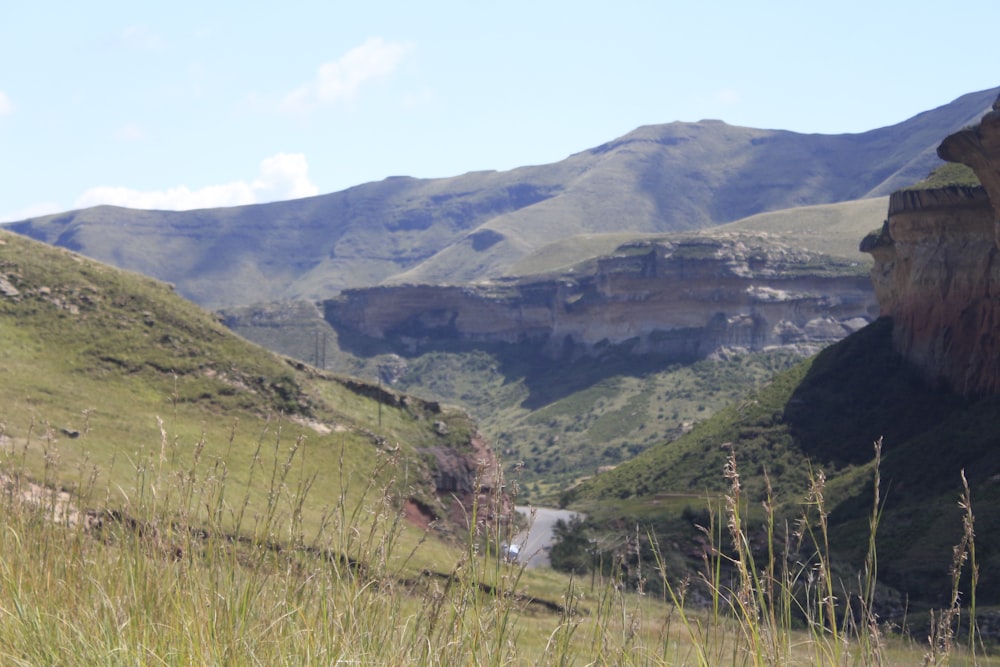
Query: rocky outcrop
pixel 681 298
pixel 936 272
pixel 979 148
pixel 469 484
pixel 461 466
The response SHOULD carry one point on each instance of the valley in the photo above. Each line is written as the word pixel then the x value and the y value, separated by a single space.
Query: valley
pixel 693 352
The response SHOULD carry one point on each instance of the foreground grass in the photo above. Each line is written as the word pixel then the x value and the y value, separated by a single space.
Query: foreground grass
pixel 178 567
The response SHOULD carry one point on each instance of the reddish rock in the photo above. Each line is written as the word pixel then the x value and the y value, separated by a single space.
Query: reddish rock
pixel 936 272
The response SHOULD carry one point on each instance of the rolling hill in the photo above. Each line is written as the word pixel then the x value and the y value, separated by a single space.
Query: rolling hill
pixel 106 374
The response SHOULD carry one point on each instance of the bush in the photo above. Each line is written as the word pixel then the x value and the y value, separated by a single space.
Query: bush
pixel 571 548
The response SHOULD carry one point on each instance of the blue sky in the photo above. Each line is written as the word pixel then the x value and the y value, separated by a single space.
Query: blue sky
pixel 191 104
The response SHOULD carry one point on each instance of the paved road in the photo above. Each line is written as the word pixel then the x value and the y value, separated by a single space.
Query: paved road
pixel 533 543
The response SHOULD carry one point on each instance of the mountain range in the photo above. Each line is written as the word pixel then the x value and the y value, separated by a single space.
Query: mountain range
pixel 480 225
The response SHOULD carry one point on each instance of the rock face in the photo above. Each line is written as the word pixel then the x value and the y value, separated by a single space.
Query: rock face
pixel 936 272
pixel 472 477
pixel 684 299
pixel 463 470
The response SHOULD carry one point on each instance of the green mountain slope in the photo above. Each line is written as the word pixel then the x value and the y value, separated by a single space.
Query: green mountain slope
pixel 824 415
pixel 107 375
pixel 829 229
pixel 674 177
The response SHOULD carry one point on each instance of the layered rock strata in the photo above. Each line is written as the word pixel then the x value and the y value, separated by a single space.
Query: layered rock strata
pixel 684 299
pixel 936 272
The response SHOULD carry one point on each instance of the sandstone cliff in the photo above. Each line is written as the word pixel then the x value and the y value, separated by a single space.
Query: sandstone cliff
pixel 684 298
pixel 936 273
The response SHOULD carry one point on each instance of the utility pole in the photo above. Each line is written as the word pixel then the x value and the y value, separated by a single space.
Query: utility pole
pixel 319 349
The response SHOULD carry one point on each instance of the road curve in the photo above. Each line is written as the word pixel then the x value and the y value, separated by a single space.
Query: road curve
pixel 533 543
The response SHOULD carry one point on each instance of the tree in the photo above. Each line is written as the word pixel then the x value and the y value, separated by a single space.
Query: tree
pixel 571 548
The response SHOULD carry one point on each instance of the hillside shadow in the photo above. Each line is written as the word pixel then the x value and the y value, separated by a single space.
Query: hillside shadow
pixel 547 378
pixel 858 391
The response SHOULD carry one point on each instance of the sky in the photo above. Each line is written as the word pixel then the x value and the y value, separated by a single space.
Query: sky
pixel 183 104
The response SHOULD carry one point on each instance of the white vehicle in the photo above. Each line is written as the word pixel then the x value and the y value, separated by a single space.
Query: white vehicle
pixel 511 552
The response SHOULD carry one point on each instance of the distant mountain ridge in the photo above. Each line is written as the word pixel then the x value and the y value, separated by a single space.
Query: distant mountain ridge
pixel 661 178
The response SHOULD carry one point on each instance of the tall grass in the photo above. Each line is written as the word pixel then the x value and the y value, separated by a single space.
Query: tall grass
pixel 777 601
pixel 182 565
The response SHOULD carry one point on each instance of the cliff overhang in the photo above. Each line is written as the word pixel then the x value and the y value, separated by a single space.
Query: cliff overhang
pixel 935 272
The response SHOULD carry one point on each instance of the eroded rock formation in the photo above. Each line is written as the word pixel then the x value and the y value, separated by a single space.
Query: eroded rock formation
pixel 685 299
pixel 936 272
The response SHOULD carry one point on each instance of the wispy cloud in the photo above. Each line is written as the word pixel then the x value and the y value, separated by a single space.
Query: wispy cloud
pixel 6 106
pixel 281 176
pixel 340 80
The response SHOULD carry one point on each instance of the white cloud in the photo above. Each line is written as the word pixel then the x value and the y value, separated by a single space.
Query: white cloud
pixel 179 198
pixel 282 176
pixel 340 80
pixel 6 106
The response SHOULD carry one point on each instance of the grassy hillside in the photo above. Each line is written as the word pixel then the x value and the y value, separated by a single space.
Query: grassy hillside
pixel 948 174
pixel 829 229
pixel 106 374
pixel 173 493
pixel 824 415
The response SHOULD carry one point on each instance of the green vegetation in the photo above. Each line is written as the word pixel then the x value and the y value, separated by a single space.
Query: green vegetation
pixel 92 349
pixel 821 417
pixel 181 565
pixel 562 421
pixel 948 174
pixel 572 551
